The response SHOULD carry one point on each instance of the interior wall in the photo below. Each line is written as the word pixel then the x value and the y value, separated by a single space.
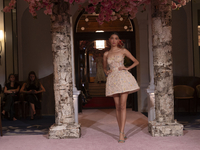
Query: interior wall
pixel 179 43
pixel 2 49
pixel 36 41
pixel 35 53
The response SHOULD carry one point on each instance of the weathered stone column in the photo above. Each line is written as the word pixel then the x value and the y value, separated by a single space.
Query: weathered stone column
pixel 164 124
pixel 65 126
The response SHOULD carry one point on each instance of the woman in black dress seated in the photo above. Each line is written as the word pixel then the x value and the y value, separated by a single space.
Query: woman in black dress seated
pixel 31 89
pixel 11 95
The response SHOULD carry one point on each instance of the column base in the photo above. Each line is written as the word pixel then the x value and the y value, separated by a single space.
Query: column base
pixel 64 131
pixel 157 129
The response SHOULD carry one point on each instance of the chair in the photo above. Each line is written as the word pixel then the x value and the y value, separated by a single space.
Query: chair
pixel 198 96
pixel 183 92
pixel 0 119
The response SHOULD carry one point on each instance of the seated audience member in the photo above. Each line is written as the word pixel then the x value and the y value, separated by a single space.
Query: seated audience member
pixel 11 95
pixel 31 89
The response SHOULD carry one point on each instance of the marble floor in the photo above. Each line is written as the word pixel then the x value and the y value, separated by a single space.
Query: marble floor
pixel 99 131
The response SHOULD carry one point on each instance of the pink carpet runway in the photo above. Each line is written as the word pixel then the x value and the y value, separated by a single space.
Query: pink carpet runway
pixel 100 132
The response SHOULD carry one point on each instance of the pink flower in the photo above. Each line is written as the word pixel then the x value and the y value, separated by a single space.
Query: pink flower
pixel 6 9
pixel 90 9
pixel 120 7
pixel 174 6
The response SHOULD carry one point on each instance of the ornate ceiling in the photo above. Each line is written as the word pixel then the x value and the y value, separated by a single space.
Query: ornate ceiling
pixel 88 23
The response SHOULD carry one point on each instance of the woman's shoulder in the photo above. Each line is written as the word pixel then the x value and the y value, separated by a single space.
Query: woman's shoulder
pixel 124 50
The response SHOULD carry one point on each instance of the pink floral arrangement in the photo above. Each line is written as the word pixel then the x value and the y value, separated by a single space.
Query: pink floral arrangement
pixel 108 10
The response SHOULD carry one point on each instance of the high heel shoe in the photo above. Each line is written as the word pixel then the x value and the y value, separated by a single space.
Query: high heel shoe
pixel 121 141
pixel 125 138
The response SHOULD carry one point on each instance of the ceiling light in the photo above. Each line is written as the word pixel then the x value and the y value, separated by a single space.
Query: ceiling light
pixel 86 19
pixel 82 28
pixel 99 31
pixel 125 27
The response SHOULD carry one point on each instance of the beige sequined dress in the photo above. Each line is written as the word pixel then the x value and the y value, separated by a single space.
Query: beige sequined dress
pixel 119 81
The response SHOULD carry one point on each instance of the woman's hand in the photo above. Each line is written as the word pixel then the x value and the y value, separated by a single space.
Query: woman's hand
pixel 108 72
pixel 122 68
pixel 35 92
pixel 9 91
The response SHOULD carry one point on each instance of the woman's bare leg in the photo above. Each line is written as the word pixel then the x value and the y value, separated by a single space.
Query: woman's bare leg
pixel 116 99
pixel 123 99
pixel 3 112
pixel 32 110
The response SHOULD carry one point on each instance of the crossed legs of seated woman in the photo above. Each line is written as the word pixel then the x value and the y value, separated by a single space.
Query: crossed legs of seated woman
pixel 9 106
pixel 34 103
pixel 11 89
pixel 31 88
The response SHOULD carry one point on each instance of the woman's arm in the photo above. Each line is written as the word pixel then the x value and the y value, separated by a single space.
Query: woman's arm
pixel 22 90
pixel 6 90
pixel 42 89
pixel 11 90
pixel 130 56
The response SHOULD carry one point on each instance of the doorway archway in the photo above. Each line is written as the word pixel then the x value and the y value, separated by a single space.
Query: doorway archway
pixel 86 30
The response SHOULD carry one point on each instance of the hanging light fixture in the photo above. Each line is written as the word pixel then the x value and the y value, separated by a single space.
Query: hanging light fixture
pixel 82 28
pixel 86 19
pixel 125 27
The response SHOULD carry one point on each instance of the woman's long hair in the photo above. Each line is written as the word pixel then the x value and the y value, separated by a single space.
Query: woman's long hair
pixel 35 82
pixel 10 76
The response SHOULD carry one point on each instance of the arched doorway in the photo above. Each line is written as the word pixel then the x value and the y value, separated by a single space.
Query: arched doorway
pixel 86 32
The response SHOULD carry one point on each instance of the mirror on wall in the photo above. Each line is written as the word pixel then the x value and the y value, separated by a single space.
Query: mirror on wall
pixel 11 47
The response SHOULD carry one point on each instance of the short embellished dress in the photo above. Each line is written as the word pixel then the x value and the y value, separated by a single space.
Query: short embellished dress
pixel 119 81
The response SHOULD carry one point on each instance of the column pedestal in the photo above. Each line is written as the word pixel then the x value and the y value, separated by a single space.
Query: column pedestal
pixel 157 129
pixel 64 131
pixel 151 106
pixel 75 100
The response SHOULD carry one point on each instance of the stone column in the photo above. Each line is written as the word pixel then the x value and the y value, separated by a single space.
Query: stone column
pixel 164 124
pixel 65 126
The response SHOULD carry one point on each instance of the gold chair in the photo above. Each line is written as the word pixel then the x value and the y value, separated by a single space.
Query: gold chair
pixel 198 96
pixel 183 92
